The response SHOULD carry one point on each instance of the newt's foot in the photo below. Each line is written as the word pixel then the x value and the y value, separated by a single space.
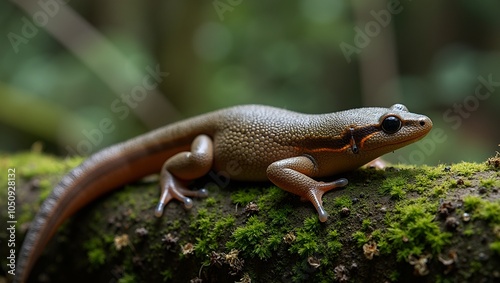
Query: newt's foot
pixel 293 175
pixel 316 195
pixel 174 189
pixel 182 167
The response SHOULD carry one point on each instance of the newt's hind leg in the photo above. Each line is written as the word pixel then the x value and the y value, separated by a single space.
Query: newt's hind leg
pixel 292 174
pixel 182 167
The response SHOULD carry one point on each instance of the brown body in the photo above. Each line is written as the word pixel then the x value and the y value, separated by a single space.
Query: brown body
pixel 263 143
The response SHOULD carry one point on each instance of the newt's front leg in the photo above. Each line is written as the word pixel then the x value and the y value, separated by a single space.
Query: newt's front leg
pixel 183 167
pixel 292 175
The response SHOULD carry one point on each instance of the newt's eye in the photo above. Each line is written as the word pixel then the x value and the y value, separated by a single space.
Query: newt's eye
pixel 391 124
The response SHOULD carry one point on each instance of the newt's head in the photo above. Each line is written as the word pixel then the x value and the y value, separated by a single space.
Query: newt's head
pixel 388 129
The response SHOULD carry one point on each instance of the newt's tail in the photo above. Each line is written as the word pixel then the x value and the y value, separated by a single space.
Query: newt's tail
pixel 101 173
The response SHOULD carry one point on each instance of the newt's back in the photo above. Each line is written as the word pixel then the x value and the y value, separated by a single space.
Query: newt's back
pixel 254 136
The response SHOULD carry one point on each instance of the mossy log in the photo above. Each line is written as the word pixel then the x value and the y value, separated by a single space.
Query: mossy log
pixel 401 224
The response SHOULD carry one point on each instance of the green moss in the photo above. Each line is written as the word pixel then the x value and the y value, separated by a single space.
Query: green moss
pixel 176 225
pixel 203 221
pixel 394 186
pixel 307 241
pixel 439 190
pixel 483 209
pixel 489 183
pixel 397 192
pixel 127 278
pixel 489 211
pixel 334 246
pixel 266 200
pixel 272 198
pixel 123 196
pixel 45 186
pixel 299 271
pixel 376 234
pixel 495 247
pixel 434 172
pixel 360 238
pixel 167 275
pixel 453 183
pixel 279 217
pixel 273 241
pixel 394 276
pixel 469 231
pixel 210 201
pixel 208 229
pixel 471 202
pixel 422 182
pixel 27 213
pixel 365 225
pixel 252 239
pixel 31 164
pixel 333 235
pixel 413 230
pixel 475 266
pixel 47 169
pixel 467 169
pixel 244 196
pixel 342 201
pixel 96 251
pixel 96 257
pixel 312 224
pixel 305 244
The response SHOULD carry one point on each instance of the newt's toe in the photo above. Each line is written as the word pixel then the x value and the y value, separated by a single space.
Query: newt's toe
pixel 322 214
pixel 159 209
pixel 188 203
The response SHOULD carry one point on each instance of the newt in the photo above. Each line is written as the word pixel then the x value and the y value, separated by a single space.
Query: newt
pixel 287 148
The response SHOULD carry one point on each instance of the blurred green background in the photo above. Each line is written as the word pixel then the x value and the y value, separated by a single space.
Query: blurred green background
pixel 79 76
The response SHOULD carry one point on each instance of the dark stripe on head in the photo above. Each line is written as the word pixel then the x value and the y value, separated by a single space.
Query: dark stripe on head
pixel 340 142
